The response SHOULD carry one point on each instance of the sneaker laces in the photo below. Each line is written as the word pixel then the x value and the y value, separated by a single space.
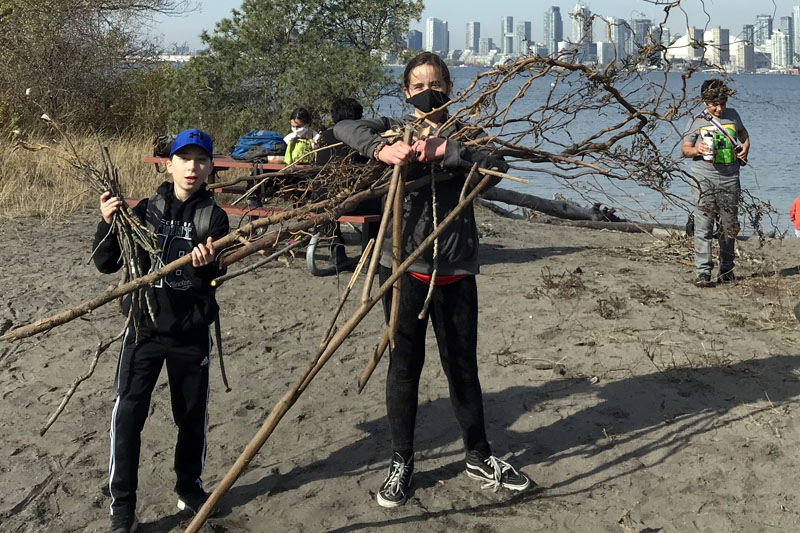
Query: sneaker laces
pixel 499 467
pixel 396 474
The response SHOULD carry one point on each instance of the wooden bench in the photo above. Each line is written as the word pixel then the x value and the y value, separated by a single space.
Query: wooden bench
pixel 313 258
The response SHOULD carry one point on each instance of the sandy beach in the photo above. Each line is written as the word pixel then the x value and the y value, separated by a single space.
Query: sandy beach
pixel 637 402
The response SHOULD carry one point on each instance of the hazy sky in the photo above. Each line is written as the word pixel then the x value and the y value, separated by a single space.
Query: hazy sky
pixel 731 14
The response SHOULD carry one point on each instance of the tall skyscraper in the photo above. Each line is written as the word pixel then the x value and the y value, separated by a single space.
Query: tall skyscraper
pixel 553 29
pixel 473 37
pixel 507 34
pixel 748 33
pixel 781 57
pixel 414 40
pixel 763 29
pixel 437 36
pixel 620 36
pixel 796 29
pixel 522 37
pixel 718 52
pixel 640 34
pixel 581 25
pixel 745 57
pixel 786 25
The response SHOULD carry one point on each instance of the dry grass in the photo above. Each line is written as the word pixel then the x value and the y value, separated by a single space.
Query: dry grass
pixel 43 184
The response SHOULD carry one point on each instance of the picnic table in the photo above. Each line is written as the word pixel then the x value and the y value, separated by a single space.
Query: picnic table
pixel 316 256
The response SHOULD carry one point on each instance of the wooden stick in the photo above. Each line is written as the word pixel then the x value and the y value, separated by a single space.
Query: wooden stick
pixel 487 172
pixel 350 285
pixel 101 347
pixel 397 239
pixel 319 360
pixel 376 256
pixel 300 242
pixel 111 294
pixel 374 360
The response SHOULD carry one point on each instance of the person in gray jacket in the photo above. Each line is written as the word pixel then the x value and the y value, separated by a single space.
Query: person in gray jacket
pixel 453 307
pixel 715 180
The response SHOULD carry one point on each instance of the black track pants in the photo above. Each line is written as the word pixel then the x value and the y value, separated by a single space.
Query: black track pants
pixel 454 313
pixel 140 363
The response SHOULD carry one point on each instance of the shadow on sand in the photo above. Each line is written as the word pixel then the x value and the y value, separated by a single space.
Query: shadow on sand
pixel 676 404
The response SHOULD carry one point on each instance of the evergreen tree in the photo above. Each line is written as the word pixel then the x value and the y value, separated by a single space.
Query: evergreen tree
pixel 269 57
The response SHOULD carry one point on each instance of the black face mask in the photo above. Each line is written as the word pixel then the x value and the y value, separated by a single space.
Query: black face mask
pixel 428 100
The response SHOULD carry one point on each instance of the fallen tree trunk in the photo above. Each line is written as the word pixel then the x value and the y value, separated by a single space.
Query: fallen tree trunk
pixel 556 208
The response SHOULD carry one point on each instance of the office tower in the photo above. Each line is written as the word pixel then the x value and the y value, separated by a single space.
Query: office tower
pixel 718 51
pixel 581 25
pixel 696 42
pixel 781 57
pixel 437 36
pixel 414 40
pixel 605 53
pixel 748 33
pixel 620 36
pixel 473 37
pixel 786 25
pixel 666 37
pixel 507 34
pixel 745 56
pixel 763 29
pixel 553 30
pixel 640 33
pixel 796 29
pixel 522 37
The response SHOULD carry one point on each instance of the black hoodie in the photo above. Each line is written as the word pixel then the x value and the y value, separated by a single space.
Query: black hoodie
pixel 183 301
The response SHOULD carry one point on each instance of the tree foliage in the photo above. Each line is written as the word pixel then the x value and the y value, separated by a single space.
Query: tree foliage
pixel 269 57
pixel 78 57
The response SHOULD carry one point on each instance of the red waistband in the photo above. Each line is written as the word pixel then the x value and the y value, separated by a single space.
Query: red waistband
pixel 440 279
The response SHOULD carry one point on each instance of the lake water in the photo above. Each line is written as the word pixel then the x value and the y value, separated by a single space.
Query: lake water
pixel 769 107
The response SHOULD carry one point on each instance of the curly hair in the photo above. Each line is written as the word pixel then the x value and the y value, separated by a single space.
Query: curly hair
pixel 715 92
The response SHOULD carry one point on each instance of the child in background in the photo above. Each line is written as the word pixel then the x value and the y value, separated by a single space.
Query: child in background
pixel 299 142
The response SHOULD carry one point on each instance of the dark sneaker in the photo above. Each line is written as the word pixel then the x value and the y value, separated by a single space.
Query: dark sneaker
pixel 124 523
pixel 495 473
pixel 726 277
pixel 703 280
pixel 397 486
pixel 193 501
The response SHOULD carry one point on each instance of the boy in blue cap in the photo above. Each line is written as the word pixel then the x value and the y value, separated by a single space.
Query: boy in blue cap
pixel 186 220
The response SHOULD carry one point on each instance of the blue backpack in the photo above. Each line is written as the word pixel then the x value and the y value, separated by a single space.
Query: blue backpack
pixel 259 143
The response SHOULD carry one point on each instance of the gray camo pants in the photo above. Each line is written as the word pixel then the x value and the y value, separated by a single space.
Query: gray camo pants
pixel 716 197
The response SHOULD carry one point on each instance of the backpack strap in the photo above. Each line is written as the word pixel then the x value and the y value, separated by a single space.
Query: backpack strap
pixel 202 219
pixel 156 205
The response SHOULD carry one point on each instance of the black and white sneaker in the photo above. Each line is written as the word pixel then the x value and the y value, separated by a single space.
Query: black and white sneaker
pixel 193 501
pixel 397 486
pixel 124 523
pixel 495 473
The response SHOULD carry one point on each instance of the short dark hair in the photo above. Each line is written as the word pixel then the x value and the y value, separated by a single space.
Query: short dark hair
pixel 426 58
pixel 302 114
pixel 346 109
pixel 715 92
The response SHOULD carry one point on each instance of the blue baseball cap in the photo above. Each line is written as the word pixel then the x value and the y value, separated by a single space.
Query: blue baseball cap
pixel 192 137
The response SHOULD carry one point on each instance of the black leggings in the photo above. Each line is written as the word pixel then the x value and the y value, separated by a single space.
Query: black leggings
pixel 454 313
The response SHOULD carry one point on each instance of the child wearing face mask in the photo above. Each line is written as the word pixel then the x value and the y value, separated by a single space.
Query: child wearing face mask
pixel 453 307
pixel 299 143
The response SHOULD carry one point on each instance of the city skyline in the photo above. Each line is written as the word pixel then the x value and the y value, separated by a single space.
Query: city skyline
pixel 731 14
